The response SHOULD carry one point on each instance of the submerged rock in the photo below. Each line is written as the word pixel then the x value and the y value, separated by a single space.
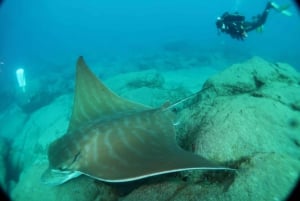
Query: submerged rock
pixel 265 176
pixel 228 128
pixel 236 118
pixel 238 123
pixel 42 127
pixel 250 76
pixel 247 117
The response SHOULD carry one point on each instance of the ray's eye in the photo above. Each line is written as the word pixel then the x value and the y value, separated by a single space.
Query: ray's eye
pixel 65 167
pixel 75 157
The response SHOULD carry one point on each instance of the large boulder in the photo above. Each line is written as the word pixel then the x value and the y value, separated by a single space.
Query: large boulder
pixel 251 76
pixel 241 120
pixel 43 127
pixel 246 117
pixel 249 112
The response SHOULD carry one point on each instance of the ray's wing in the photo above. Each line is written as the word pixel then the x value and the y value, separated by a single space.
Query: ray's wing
pixel 94 100
pixel 128 141
pixel 138 146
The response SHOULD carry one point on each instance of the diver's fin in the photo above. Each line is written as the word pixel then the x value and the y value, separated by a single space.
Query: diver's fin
pixel 282 9
pixel 260 29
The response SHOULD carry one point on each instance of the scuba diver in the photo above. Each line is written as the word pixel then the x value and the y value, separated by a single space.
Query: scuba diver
pixel 235 25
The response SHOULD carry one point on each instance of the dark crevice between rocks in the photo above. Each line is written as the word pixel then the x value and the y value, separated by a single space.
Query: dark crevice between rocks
pixel 258 83
pixel 295 106
pixel 186 140
pixel 12 171
pixel 103 187
pixel 296 142
pixel 294 123
pixel 177 191
pixel 235 90
pixel 257 94
pixel 37 101
pixel 281 76
pixel 220 178
pixel 236 164
pixel 223 178
pixel 125 188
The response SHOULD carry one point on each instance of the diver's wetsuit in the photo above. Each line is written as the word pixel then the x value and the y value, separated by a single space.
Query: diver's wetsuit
pixel 232 24
pixel 258 20
pixel 236 26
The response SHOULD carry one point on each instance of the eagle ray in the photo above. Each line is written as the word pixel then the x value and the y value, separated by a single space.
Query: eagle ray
pixel 109 157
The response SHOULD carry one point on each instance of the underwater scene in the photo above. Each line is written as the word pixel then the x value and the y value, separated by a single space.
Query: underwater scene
pixel 181 100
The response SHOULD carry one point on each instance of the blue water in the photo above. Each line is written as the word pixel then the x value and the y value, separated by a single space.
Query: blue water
pixel 46 36
pixel 55 31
